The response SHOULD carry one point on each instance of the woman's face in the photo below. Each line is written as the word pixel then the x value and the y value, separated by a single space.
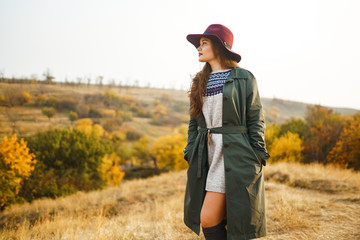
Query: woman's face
pixel 206 52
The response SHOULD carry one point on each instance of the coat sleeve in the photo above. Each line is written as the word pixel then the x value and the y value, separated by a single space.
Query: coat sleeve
pixel 255 121
pixel 192 133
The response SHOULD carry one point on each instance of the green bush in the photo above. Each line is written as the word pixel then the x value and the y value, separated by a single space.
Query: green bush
pixel 48 111
pixel 124 115
pixel 111 98
pixel 68 160
pixel 51 101
pixel 67 104
pixel 295 125
pixel 73 116
pixel 133 135
pixel 112 124
pixel 94 113
pixel 82 110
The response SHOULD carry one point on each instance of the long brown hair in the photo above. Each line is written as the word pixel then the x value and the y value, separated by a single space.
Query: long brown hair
pixel 199 82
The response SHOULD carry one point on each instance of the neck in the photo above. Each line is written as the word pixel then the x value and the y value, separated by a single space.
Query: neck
pixel 215 65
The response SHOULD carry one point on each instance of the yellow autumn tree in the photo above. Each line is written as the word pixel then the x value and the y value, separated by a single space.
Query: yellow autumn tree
pixel 16 164
pixel 160 111
pixel 86 125
pixel 272 132
pixel 141 151
pixel 110 171
pixel 168 152
pixel 288 147
pixel 26 98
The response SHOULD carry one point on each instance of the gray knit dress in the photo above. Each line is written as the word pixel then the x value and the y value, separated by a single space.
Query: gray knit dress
pixel 212 110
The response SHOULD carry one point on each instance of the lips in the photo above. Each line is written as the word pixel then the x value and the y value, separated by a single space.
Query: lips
pixel 200 54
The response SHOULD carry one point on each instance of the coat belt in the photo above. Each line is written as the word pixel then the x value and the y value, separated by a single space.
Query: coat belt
pixel 205 133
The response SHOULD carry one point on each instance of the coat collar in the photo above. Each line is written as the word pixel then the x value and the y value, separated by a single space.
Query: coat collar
pixel 237 73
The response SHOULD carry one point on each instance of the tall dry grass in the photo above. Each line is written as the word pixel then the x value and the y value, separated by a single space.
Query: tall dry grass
pixel 152 208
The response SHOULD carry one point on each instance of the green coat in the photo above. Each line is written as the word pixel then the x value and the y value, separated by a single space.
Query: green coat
pixel 244 155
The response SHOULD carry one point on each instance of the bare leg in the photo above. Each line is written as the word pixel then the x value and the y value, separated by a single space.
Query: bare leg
pixel 213 210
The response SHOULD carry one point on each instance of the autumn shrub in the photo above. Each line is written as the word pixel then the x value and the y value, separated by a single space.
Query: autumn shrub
pixel 325 128
pixel 346 152
pixel 94 112
pixel 272 132
pixel 107 113
pixel 287 147
pixel 128 100
pixel 112 124
pixel 295 125
pixel 11 96
pixel 93 98
pixel 82 110
pixel 70 159
pixel 125 116
pixel 2 100
pixel 16 165
pixel 141 150
pixel 73 116
pixel 48 111
pixel 111 98
pixel 111 172
pixel 87 126
pixel 142 172
pixel 51 101
pixel 183 129
pixel 161 117
pixel 168 152
pixel 67 104
pixel 41 99
pixel 133 135
pixel 25 98
pixel 117 136
pixel 142 111
pixel 124 151
pixel 160 111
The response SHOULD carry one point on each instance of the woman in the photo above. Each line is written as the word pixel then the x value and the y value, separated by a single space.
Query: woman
pixel 226 147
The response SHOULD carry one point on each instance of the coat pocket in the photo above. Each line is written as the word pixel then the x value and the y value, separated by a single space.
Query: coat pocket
pixel 256 157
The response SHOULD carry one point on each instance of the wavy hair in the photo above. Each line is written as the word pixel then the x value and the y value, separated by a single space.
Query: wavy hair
pixel 199 82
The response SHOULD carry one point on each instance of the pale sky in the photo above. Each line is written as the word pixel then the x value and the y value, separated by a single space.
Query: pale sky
pixel 306 50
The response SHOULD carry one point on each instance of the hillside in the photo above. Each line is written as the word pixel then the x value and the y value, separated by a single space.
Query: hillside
pixel 26 120
pixel 279 110
pixel 302 202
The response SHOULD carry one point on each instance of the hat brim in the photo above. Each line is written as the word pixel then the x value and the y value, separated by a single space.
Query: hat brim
pixel 194 39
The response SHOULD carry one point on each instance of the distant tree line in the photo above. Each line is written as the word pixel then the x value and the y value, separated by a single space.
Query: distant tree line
pixel 48 78
pixel 324 136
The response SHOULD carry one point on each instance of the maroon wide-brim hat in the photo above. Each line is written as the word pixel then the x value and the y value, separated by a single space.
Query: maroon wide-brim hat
pixel 218 33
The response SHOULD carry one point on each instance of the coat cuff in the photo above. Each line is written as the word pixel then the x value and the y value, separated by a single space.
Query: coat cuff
pixel 263 156
pixel 186 154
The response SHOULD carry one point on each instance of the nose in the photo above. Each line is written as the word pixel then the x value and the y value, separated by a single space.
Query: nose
pixel 199 48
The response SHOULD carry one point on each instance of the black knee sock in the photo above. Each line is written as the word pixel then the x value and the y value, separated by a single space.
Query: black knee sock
pixel 217 232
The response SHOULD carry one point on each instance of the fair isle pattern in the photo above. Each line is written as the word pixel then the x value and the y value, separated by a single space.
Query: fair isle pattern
pixel 216 82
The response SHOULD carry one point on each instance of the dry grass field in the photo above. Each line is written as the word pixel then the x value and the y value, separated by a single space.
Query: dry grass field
pixel 303 202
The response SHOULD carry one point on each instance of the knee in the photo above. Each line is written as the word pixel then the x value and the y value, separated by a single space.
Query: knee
pixel 207 220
